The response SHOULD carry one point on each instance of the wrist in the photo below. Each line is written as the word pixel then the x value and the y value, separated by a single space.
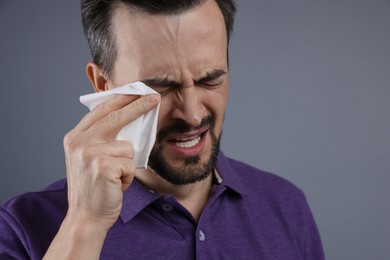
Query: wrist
pixel 86 227
pixel 77 238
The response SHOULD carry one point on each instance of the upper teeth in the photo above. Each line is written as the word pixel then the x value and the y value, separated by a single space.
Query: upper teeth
pixel 187 142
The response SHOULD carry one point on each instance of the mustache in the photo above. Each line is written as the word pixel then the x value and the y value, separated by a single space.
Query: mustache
pixel 182 127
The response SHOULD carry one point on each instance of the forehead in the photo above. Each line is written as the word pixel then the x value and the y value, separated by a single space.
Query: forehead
pixel 193 39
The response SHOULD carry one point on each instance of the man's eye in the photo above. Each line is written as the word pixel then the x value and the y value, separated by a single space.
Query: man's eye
pixel 162 90
pixel 210 84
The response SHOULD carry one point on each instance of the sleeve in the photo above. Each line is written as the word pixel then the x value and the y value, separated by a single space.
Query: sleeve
pixel 11 238
pixel 309 240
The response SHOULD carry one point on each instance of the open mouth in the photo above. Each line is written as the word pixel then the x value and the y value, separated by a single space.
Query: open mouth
pixel 188 140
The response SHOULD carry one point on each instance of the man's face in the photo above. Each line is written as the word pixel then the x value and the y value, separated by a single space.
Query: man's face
pixel 184 57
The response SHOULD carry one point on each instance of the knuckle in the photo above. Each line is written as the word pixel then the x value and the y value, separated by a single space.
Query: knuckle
pixel 96 111
pixel 87 154
pixel 101 108
pixel 102 163
pixel 67 139
pixel 140 106
pixel 129 148
pixel 113 118
pixel 71 142
pixel 128 167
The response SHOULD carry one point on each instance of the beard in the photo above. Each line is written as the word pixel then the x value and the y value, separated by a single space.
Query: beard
pixel 194 170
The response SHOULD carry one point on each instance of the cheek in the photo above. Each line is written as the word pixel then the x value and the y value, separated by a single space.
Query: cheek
pixel 216 100
pixel 167 105
pixel 163 113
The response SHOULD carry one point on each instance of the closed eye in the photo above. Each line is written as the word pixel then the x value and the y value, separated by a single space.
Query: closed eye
pixel 212 79
pixel 162 86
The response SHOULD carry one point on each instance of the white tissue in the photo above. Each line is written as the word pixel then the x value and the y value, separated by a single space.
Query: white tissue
pixel 141 132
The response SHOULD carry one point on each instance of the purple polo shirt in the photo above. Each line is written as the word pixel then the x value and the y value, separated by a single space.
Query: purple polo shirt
pixel 251 215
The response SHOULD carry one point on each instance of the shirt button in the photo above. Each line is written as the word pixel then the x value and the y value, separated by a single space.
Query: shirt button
pixel 202 236
pixel 167 207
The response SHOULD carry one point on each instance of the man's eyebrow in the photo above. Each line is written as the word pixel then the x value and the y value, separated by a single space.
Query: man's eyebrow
pixel 210 76
pixel 163 82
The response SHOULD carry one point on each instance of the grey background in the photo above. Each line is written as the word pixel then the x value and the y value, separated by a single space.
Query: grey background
pixel 309 100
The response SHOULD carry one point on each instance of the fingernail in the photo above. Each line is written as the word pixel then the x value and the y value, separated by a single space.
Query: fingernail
pixel 152 98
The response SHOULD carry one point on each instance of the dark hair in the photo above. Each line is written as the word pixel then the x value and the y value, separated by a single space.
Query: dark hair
pixel 97 14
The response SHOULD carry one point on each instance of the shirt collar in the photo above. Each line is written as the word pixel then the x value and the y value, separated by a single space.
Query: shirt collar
pixel 229 176
pixel 137 197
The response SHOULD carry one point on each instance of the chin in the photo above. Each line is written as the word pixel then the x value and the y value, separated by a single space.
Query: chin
pixel 185 170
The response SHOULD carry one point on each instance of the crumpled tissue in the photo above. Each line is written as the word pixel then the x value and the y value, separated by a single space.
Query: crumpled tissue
pixel 141 132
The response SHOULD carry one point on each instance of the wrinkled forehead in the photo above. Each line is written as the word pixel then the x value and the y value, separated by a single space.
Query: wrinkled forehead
pixel 154 41
pixel 201 24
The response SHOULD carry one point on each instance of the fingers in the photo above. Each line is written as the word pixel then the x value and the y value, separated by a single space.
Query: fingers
pixel 125 170
pixel 99 168
pixel 116 148
pixel 118 171
pixel 112 162
pixel 101 110
pixel 109 125
pixel 128 175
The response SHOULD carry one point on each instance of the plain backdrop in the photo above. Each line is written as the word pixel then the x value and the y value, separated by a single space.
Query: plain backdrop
pixel 309 101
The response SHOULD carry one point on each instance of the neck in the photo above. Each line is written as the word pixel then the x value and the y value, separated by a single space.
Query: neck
pixel 191 196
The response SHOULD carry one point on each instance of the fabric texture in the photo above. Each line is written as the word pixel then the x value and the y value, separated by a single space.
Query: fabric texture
pixel 252 214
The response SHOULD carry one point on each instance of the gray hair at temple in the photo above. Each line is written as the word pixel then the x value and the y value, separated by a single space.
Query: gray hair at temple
pixel 97 14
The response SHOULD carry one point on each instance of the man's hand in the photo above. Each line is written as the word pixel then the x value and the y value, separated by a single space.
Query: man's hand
pixel 99 169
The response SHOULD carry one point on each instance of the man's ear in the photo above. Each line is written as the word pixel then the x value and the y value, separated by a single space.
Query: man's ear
pixel 96 76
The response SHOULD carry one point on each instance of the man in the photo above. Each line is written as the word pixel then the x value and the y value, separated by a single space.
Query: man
pixel 192 201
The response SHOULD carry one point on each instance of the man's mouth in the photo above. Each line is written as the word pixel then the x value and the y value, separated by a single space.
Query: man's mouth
pixel 187 142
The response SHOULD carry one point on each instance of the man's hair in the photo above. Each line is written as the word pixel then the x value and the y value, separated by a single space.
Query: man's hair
pixel 97 22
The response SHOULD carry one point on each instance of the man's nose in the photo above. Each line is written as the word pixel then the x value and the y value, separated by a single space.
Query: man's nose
pixel 188 106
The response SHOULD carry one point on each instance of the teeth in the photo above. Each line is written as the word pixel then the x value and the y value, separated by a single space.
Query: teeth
pixel 187 142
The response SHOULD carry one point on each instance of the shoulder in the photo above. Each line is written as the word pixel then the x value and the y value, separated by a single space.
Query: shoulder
pixel 29 221
pixel 36 207
pixel 48 197
pixel 263 190
pixel 280 204
pixel 258 181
